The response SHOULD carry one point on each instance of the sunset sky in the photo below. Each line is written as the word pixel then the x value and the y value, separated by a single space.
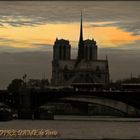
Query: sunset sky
pixel 32 26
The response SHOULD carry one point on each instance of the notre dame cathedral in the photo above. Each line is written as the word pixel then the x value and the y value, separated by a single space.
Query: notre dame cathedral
pixel 86 68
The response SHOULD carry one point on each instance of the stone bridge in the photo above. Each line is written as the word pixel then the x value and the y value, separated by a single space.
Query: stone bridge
pixel 114 104
pixel 128 103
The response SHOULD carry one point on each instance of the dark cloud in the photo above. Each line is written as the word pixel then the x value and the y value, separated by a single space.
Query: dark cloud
pixel 14 49
pixel 43 47
pixel 7 49
pixel 4 39
pixel 34 46
pixel 29 13
pixel 105 24
pixel 37 47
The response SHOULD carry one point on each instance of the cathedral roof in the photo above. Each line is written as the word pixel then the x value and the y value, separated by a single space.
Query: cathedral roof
pixel 61 41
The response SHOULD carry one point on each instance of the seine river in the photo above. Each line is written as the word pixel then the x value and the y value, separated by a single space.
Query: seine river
pixel 75 127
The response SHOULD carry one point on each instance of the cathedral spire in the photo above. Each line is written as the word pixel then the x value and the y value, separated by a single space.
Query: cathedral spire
pixel 81 31
pixel 81 42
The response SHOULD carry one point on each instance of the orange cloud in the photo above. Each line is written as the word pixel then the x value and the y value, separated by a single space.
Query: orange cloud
pixel 114 36
pixel 27 36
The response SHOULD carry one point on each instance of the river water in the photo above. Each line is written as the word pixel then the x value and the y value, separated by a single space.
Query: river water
pixel 76 127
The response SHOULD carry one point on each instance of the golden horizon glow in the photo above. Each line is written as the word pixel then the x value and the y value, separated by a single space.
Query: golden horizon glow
pixel 33 36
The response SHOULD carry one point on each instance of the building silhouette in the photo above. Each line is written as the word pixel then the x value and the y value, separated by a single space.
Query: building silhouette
pixel 86 68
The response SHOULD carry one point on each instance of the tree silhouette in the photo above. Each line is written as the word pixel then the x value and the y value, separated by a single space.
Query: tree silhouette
pixel 13 89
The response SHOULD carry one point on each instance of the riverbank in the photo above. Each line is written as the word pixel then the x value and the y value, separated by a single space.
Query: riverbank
pixel 84 128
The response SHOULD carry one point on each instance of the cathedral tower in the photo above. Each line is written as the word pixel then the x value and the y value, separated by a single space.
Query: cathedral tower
pixel 90 50
pixel 62 50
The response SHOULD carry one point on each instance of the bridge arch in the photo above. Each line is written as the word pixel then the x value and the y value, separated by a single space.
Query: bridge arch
pixel 117 105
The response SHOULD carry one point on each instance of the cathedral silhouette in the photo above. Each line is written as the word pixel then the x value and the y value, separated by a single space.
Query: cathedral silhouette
pixel 85 69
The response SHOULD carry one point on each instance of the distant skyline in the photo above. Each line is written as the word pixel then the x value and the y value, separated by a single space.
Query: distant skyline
pixel 32 26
